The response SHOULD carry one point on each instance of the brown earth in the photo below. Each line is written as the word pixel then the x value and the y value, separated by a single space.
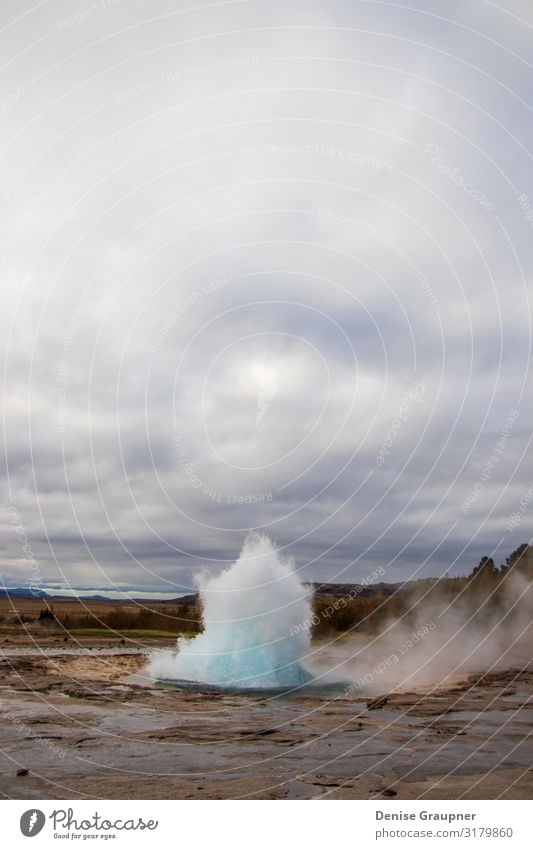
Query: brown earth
pixel 85 726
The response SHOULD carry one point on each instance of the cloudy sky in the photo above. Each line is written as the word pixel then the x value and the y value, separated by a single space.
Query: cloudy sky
pixel 264 265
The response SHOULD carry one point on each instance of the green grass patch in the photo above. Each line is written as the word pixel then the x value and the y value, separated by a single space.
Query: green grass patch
pixel 135 634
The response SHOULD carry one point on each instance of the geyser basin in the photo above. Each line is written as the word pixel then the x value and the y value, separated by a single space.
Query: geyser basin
pixel 314 688
pixel 257 617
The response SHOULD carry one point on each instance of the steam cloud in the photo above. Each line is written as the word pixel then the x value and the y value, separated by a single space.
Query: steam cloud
pixel 248 612
pixel 441 640
pixel 257 619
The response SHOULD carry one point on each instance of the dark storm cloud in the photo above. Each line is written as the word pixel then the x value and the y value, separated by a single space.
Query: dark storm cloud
pixel 235 242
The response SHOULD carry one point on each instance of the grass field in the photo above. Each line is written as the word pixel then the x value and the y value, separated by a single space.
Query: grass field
pixel 60 618
pixel 134 634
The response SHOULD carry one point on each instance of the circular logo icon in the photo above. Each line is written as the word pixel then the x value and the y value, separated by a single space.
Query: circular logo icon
pixel 32 822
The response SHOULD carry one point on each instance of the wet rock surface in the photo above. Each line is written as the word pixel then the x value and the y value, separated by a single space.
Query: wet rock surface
pixel 83 727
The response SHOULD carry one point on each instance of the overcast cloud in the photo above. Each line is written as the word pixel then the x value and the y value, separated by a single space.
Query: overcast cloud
pixel 264 265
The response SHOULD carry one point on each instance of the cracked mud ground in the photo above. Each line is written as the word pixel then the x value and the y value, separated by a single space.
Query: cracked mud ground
pixel 84 728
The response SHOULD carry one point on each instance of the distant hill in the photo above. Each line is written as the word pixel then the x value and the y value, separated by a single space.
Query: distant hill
pixel 359 590
pixel 335 590
pixel 23 592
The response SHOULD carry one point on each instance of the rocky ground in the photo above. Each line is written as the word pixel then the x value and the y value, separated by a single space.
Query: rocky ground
pixel 83 722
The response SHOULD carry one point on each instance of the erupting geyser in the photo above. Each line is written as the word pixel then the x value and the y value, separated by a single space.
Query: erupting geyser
pixel 256 626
